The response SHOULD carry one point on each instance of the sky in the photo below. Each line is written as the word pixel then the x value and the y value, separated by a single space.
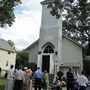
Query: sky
pixel 26 28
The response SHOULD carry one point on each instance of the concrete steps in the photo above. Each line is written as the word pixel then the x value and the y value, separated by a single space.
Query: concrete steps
pixel 51 78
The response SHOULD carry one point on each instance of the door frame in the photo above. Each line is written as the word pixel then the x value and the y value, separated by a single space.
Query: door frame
pixel 51 62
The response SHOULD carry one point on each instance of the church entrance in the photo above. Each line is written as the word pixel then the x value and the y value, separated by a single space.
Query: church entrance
pixel 47 57
pixel 45 63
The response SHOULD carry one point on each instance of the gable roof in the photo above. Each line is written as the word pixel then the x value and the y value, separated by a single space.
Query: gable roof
pixel 30 46
pixel 73 41
pixel 37 41
pixel 47 1
pixel 5 46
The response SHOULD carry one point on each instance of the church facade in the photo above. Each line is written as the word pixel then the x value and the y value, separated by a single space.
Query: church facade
pixel 53 50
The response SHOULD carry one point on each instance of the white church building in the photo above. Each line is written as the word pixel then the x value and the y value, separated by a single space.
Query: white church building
pixel 53 50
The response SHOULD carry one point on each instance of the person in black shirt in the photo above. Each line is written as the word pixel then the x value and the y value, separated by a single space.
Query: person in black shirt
pixel 70 79
pixel 60 75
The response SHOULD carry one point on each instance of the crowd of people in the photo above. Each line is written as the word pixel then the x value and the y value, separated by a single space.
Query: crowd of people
pixel 21 79
pixel 74 81
pixel 18 79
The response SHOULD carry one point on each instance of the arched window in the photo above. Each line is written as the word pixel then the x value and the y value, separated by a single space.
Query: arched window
pixel 48 49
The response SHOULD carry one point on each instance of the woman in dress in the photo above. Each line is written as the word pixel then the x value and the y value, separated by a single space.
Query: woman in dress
pixel 46 80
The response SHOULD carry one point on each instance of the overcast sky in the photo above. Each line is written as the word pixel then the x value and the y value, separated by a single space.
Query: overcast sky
pixel 26 28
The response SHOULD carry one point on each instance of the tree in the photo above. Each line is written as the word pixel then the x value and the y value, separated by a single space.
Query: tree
pixel 77 23
pixel 11 43
pixel 59 5
pixel 77 18
pixel 22 58
pixel 7 15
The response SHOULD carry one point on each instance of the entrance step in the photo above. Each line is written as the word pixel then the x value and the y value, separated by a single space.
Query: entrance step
pixel 51 78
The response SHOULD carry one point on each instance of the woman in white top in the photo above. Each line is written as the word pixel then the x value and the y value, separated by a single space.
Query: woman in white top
pixel 10 76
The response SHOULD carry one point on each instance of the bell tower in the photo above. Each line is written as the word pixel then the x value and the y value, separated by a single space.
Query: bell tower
pixel 50 40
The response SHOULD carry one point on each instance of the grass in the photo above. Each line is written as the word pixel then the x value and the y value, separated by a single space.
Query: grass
pixel 2 83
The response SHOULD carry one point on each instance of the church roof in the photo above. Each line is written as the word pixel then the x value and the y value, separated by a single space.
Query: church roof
pixel 73 41
pixel 5 46
pixel 30 46
pixel 47 1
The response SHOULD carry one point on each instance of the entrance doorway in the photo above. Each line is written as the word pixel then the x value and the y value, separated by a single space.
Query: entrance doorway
pixel 45 62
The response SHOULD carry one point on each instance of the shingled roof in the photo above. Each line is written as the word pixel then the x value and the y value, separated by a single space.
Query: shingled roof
pixel 5 46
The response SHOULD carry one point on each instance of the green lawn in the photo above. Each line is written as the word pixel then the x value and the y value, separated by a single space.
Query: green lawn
pixel 2 83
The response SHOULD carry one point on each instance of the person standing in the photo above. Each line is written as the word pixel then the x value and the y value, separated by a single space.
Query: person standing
pixel 0 71
pixel 19 79
pixel 30 83
pixel 76 75
pixel 38 76
pixel 60 75
pixel 27 78
pixel 70 79
pixel 58 80
pixel 82 81
pixel 10 77
pixel 46 80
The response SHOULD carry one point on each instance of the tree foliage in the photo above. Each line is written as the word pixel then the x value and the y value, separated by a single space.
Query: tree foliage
pixel 77 18
pixel 58 5
pixel 7 15
pixel 22 58
pixel 11 43
pixel 77 23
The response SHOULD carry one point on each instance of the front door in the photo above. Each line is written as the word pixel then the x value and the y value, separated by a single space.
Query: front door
pixel 45 62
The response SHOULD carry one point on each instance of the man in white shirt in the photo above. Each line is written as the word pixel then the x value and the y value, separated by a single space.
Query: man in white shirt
pixel 10 76
pixel 82 81
pixel 19 78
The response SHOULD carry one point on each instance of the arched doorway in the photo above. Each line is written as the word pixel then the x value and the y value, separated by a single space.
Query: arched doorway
pixel 48 49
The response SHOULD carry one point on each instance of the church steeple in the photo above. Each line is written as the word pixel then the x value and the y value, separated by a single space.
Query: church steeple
pixel 50 35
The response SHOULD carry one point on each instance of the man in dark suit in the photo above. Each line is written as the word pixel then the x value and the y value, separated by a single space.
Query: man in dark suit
pixel 70 79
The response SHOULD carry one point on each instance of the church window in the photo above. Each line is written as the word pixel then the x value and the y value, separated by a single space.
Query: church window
pixel 48 49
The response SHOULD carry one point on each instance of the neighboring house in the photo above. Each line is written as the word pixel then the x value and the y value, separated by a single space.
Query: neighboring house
pixel 7 55
pixel 54 51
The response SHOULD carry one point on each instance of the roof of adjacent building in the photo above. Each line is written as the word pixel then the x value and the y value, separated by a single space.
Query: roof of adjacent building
pixel 47 1
pixel 5 46
pixel 30 46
